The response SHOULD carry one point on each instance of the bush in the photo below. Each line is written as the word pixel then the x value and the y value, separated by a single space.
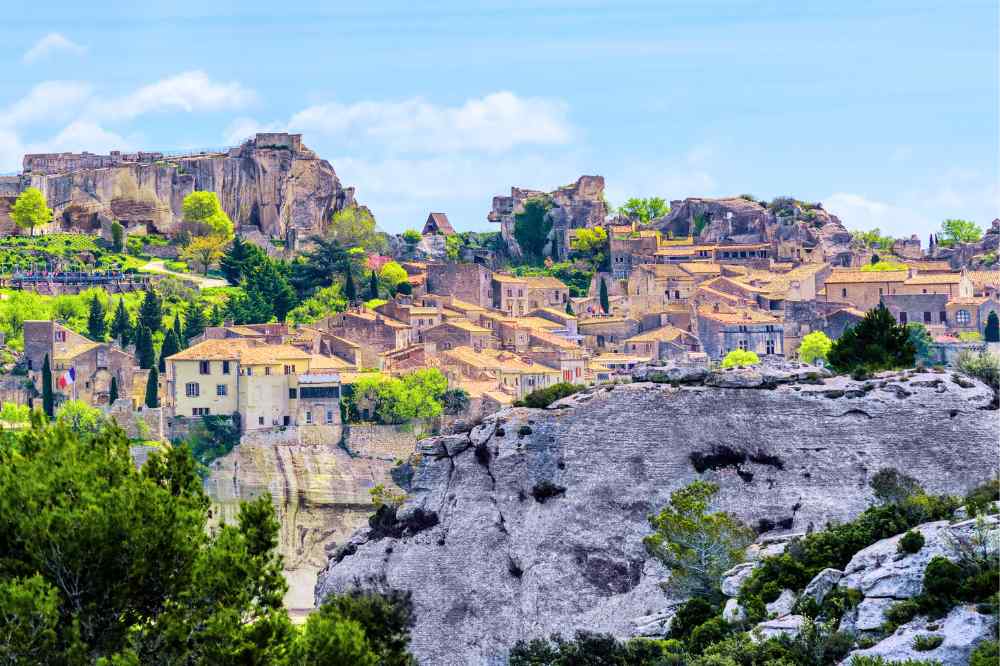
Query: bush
pixel 927 642
pixel 892 486
pixel 986 654
pixel 695 612
pixel 981 498
pixel 546 490
pixel 739 358
pixel 707 633
pixel 879 661
pixel 984 366
pixel 875 343
pixel 544 397
pixel 911 542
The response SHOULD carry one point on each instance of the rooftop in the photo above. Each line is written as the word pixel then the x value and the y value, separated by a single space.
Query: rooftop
pixel 863 277
pixel 935 278
pixel 738 316
pixel 662 334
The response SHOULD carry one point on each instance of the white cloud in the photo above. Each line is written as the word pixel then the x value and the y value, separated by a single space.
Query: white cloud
pixel 243 128
pixel 49 101
pixel 83 135
pixel 49 44
pixel 495 123
pixel 187 92
pixel 859 212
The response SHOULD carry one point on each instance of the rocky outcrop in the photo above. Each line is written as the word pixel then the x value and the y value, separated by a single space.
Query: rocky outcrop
pixel 532 523
pixel 266 184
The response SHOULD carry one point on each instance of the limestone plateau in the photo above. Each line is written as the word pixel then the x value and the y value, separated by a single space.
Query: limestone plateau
pixel 271 182
pixel 532 523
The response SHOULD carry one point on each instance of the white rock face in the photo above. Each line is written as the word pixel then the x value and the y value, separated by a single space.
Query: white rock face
pixel 732 580
pixel 870 613
pixel 963 629
pixel 821 585
pixel 733 612
pixel 656 624
pixel 881 571
pixel 790 625
pixel 783 605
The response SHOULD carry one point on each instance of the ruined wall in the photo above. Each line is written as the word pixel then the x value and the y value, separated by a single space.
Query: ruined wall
pixel 488 564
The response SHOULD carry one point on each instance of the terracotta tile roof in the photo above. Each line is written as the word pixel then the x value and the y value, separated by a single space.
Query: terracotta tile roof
pixel 466 325
pixel 675 252
pixel 700 267
pixel 271 354
pixel 538 323
pixel 662 334
pixel 935 278
pixel 609 358
pixel 991 278
pixel 544 282
pixel 323 362
pixel 441 221
pixel 665 271
pixel 739 316
pixel 212 350
pixel 558 314
pixel 75 350
pixel 503 277
pixel 552 340
pixel 493 359
pixel 969 300
pixel 863 277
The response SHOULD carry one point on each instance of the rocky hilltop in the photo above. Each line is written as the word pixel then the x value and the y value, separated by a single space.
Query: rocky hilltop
pixel 532 523
pixel 271 182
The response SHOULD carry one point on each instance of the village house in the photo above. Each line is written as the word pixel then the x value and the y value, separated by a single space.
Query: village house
pixel 512 374
pixel 567 322
pixel 968 314
pixel 438 224
pixel 459 333
pixel 985 283
pixel 510 294
pixel 559 353
pixel 546 292
pixel 606 333
pixel 374 332
pixel 862 289
pixel 610 366
pixel 81 368
pixel 402 308
pixel 662 344
pixel 928 309
pixel 472 283
pixel 955 285
pixel 722 329
pixel 629 247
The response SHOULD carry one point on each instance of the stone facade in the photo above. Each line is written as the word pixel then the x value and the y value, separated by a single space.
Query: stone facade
pixel 467 282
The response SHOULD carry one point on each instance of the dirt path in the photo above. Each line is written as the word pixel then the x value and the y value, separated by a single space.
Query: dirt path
pixel 202 282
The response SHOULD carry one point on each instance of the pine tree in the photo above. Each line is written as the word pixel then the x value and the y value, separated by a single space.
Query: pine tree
pixel 195 324
pixel 121 325
pixel 216 319
pixel 231 263
pixel 97 325
pixel 349 291
pixel 373 285
pixel 144 348
pixel 171 345
pixel 875 343
pixel 274 289
pixel 992 332
pixel 179 330
pixel 151 311
pixel 113 393
pixel 48 398
pixel 605 303
pixel 153 389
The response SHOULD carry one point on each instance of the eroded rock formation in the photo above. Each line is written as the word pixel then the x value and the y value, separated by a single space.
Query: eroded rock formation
pixel 533 522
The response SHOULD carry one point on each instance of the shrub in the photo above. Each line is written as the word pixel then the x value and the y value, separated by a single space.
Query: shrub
pixel 879 661
pixel 695 612
pixel 875 343
pixel 544 397
pixel 927 642
pixel 892 486
pixel 546 490
pixel 739 358
pixel 981 498
pixel 705 634
pixel 815 345
pixel 911 542
pixel 984 366
pixel 986 654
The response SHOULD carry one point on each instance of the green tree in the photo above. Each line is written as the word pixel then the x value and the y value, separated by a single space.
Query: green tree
pixel 318 266
pixel 249 307
pixel 30 210
pixel 532 227
pixel 80 417
pixel 203 252
pixel 372 285
pixel 216 318
pixel 204 216
pixel 97 325
pixel 392 275
pixel 921 340
pixel 453 247
pixel 325 302
pixel 411 236
pixel 739 358
pixel 48 398
pixel 349 290
pixel 179 331
pixel 992 331
pixel 121 325
pixel 144 350
pixel 113 392
pixel 153 388
pixel 117 237
pixel 195 324
pixel 355 227
pixel 958 231
pixel 697 546
pixel 814 346
pixel 151 311
pixel 875 343
pixel 644 210
pixel 603 296
pixel 241 260
pixel 171 345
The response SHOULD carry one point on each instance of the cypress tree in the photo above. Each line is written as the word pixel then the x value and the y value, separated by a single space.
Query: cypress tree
pixel 875 343
pixel 217 318
pixel 97 325
pixel 232 263
pixel 373 285
pixel 195 324
pixel 569 308
pixel 171 345
pixel 605 303
pixel 992 332
pixel 121 326
pixel 178 329
pixel 48 399
pixel 152 388
pixel 349 291
pixel 144 348
pixel 113 393
pixel 151 311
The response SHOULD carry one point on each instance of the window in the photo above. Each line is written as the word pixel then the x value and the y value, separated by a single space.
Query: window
pixel 29 365
pixel 267 370
pixel 225 367
pixel 329 416
pixel 843 292
pixel 880 291
pixel 677 293
pixel 769 347
pixel 902 317
pixel 221 390
pixel 192 389
pixel 204 367
pixel 743 345
pixel 289 369
pixel 927 317
pixel 962 317
pixel 309 417
pixel 260 420
pixel 199 411
pixel 293 394
pixel 309 392
pixel 249 371
pixel 944 317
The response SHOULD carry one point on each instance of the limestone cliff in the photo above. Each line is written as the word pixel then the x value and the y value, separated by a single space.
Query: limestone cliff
pixel 266 184
pixel 533 522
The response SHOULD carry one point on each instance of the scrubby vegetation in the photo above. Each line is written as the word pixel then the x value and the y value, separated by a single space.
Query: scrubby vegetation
pixel 739 358
pixel 417 395
pixel 544 397
pixel 875 343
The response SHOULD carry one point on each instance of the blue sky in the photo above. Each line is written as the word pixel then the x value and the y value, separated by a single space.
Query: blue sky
pixel 885 111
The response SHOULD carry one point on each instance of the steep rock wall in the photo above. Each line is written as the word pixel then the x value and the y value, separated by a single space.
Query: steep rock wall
pixel 489 564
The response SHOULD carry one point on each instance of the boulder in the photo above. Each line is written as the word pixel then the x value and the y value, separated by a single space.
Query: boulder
pixel 963 629
pixel 783 605
pixel 870 613
pixel 790 625
pixel 771 546
pixel 821 585
pixel 733 612
pixel 670 373
pixel 655 624
pixel 733 579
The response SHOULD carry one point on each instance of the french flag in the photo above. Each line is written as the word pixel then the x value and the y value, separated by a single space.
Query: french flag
pixel 67 378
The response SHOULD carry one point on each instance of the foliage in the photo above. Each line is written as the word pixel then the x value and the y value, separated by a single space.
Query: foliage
pixel 144 350
pixel 48 397
pixel 355 227
pixel 873 239
pixel 411 236
pixel 121 325
pixel 992 331
pixel 911 542
pixel 532 227
pixel 416 395
pixel 986 653
pixel 171 345
pixel 203 216
pixel 815 345
pixel 113 391
pixel 30 210
pixel 391 275
pixel 151 311
pixel 695 612
pixel 984 366
pixel 603 296
pixel 319 266
pixel 700 222
pixel 11 412
pixel 212 437
pixel 323 303
pixel 890 486
pixel 927 642
pixel 153 388
pixel 969 336
pixel 97 326
pixel 453 247
pixel 455 401
pixel 644 211
pixel 739 358
pixel 958 231
pixel 543 397
pixel 80 417
pixel 204 252
pixel 350 291
pixel 875 343
pixel 921 339
pixel 194 324
pixel 241 260
pixel 695 545
pixel 980 499
pixel 879 661
pixel 592 246
pixel 117 237
pixel 577 279
pixel 883 266
pixel 590 649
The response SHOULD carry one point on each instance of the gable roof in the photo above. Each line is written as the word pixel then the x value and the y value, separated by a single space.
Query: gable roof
pixel 862 277
pixel 437 223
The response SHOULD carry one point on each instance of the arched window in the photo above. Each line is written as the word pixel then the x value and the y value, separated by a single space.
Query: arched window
pixel 962 317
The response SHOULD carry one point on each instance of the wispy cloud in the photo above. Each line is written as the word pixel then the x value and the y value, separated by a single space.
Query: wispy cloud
pixel 51 43
pixel 186 92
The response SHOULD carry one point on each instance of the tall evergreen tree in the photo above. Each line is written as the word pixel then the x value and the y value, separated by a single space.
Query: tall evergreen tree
pixel 992 332
pixel 171 345
pixel 151 311
pixel 144 347
pixel 97 325
pixel 349 290
pixel 603 294
pixel 274 289
pixel 373 285
pixel 195 324
pixel 217 318
pixel 569 308
pixel 113 392
pixel 153 388
pixel 241 260
pixel 179 330
pixel 875 343
pixel 121 325
pixel 48 398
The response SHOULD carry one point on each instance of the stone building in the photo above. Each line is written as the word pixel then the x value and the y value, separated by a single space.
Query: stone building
pixel 863 289
pixel 472 283
pixel 438 224
pixel 722 329
pixel 510 294
pixel 927 309
pixel 374 332
pixel 662 344
pixel 512 374
pixel 546 292
pixel 459 333
pixel 607 333
pixel 969 314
